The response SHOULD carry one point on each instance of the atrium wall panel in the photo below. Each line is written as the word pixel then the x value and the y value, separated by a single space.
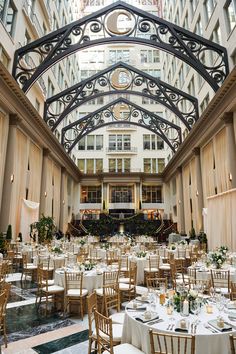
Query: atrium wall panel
pixel 56 193
pixel 186 195
pixel 208 179
pixel 64 202
pixel 35 171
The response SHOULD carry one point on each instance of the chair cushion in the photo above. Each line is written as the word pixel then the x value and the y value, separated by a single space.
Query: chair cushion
pixel 123 286
pixel 124 280
pixel 76 292
pixel 116 331
pixel 141 290
pixel 99 291
pixel 125 348
pixel 31 266
pixel 50 282
pixel 118 318
pixel 53 289
pixel 151 269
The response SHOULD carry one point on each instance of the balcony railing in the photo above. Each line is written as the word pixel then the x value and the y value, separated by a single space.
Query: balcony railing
pixel 130 150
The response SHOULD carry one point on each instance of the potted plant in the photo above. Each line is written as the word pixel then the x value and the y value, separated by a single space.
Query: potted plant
pixel 45 228
pixel 2 244
pixel 9 234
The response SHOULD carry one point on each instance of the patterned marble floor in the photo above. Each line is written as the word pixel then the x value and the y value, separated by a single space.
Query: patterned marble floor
pixel 29 331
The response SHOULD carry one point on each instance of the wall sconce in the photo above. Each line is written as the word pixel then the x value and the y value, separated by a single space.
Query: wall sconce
pixel 179 201
pixel 63 202
pixel 12 178
pixel 197 194
pixel 230 176
pixel 45 194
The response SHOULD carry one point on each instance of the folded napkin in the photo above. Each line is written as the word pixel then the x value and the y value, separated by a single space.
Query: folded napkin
pixel 227 326
pixel 182 326
pixel 142 318
pixel 231 305
pixel 138 307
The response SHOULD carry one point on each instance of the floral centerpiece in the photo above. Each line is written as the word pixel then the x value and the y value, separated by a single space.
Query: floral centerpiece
pixel 82 242
pixel 105 246
pixel 223 250
pixel 141 254
pixel 217 259
pixel 182 242
pixel 190 295
pixel 57 250
pixel 172 246
pixel 87 265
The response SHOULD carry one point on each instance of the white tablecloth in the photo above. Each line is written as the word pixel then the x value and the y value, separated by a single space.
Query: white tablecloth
pixel 136 333
pixel 141 264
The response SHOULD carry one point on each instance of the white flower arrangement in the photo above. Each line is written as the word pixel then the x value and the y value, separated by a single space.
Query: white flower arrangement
pixel 223 249
pixel 217 258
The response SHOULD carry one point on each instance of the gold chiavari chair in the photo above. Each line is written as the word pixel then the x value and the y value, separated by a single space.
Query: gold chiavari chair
pixel 74 292
pixel 110 280
pixel 106 340
pixel 232 291
pixel 232 340
pixel 55 293
pixel 91 306
pixel 3 269
pixel 28 269
pixel 156 283
pixel 163 343
pixel 128 290
pixel 153 267
pixel 220 280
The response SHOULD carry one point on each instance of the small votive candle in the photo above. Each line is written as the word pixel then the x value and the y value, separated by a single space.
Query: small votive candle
pixel 169 310
pixel 183 324
pixel 162 298
pixel 209 308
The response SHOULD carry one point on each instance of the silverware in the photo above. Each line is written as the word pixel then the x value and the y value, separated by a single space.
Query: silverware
pixel 210 329
pixel 168 327
pixel 155 321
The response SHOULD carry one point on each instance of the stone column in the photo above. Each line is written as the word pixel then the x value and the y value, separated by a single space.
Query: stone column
pixel 199 191
pixel 137 196
pixel 180 201
pixel 105 196
pixel 230 148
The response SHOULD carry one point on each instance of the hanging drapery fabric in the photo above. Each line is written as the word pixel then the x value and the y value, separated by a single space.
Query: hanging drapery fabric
pixel 29 214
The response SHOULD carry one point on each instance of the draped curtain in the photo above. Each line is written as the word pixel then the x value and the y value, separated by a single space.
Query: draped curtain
pixel 221 221
pixel 20 174
pixel 29 214
pixel 4 126
pixel 48 187
pixel 186 192
pixel 208 171
pixel 35 170
pixel 222 180
pixel 56 193
pixel 193 195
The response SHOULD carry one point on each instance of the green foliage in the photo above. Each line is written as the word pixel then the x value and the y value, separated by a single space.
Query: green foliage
pixel 192 233
pixel 45 228
pixel 2 243
pixel 202 237
pixel 9 234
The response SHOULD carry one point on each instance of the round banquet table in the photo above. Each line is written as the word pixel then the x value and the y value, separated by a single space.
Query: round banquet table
pixel 137 333
pixel 203 273
pixel 91 279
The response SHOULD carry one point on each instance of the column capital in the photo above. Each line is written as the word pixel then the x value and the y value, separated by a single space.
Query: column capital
pixel 14 119
pixel 227 117
pixel 196 151
pixel 179 169
pixel 46 152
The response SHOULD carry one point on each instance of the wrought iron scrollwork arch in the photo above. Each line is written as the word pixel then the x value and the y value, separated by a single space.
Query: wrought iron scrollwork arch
pixel 135 115
pixel 133 81
pixel 144 28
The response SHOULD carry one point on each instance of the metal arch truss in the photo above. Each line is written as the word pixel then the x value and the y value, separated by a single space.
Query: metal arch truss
pixel 120 79
pixel 104 26
pixel 134 115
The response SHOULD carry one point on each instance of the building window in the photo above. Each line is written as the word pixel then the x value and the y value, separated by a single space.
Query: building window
pixel 150 56
pixel 198 28
pixel 91 194
pixel 151 194
pixel 99 165
pixel 230 9
pixel 119 165
pixel 120 142
pixel 81 144
pixel 119 55
pixel 153 165
pixel 51 89
pixel 37 105
pixel 121 194
pixel 90 142
pixel 209 8
pixel 8 15
pixel 152 142
pixel 204 103
pixel 81 165
pixel 99 142
pixel 92 56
